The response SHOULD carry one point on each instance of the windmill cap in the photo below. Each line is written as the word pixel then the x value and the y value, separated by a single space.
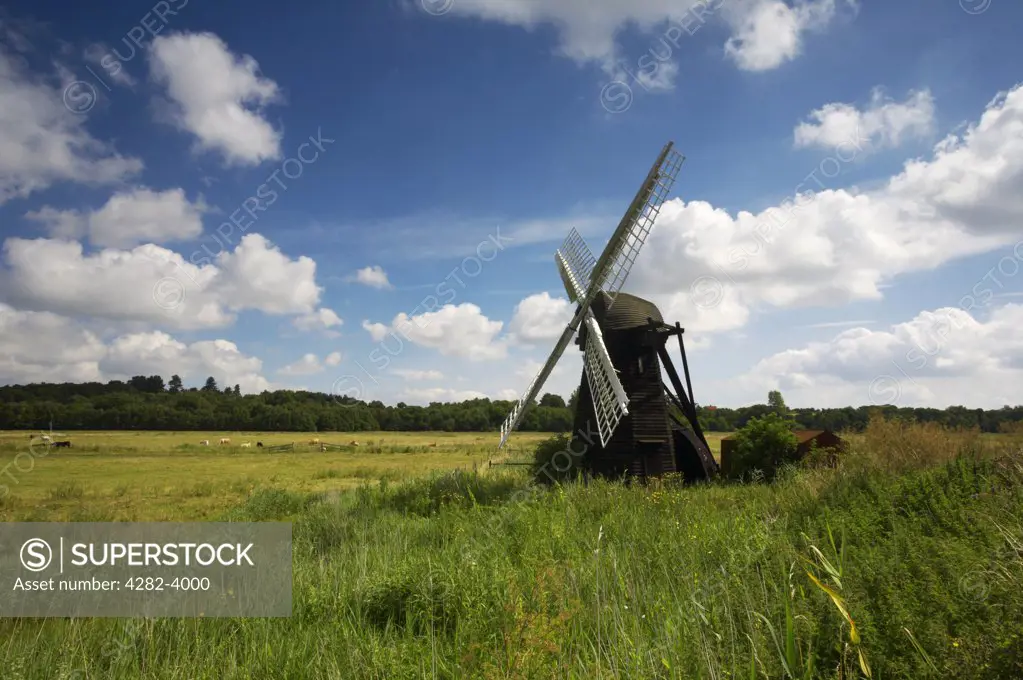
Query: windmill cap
pixel 628 311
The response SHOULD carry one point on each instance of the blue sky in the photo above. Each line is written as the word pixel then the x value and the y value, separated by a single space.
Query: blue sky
pixel 442 125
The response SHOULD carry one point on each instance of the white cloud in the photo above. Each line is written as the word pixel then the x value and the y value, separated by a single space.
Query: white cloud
pixel 153 285
pixel 377 331
pixel 309 364
pixel 461 331
pixel 764 33
pixel 884 123
pixel 714 270
pixel 42 142
pixel 540 318
pixel 129 218
pixel 411 374
pixel 322 319
pixel 427 395
pixel 98 54
pixel 939 358
pixel 842 324
pixel 332 359
pixel 46 347
pixel 373 276
pixel 768 33
pixel 156 353
pixel 257 275
pixel 217 96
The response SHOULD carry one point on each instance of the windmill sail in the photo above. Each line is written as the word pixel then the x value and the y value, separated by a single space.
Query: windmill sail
pixel 520 407
pixel 584 277
pixel 622 250
pixel 610 402
pixel 575 264
pixel 609 398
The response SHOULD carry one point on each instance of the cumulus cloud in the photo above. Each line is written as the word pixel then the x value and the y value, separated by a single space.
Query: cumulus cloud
pixel 153 285
pixel 453 330
pixel 763 33
pixel 332 359
pixel 42 142
pixel 217 96
pixel 411 374
pixel 156 353
pixel 884 123
pixel 322 319
pixel 714 269
pixel 129 218
pixel 939 358
pixel 768 33
pixel 309 364
pixel 427 395
pixel 373 276
pixel 540 318
pixel 47 347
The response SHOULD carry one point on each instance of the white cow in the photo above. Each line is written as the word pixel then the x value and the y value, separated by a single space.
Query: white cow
pixel 46 437
pixel 204 442
pixel 246 445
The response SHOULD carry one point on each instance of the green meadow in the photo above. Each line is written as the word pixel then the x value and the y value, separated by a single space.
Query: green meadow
pixel 413 558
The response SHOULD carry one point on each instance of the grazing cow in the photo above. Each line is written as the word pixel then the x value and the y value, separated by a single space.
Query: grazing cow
pixel 353 443
pixel 46 437
pixel 225 440
pixel 433 445
pixel 204 442
pixel 246 445
pixel 61 445
pixel 313 441
pixel 259 444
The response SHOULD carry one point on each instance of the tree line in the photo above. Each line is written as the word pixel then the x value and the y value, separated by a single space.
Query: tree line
pixel 148 403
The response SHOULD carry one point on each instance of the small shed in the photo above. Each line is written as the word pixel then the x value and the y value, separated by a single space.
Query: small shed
pixel 804 438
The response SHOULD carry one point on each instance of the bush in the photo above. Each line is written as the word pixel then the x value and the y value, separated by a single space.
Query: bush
pixel 554 463
pixel 764 444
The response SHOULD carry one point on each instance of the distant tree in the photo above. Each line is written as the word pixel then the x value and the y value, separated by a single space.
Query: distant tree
pixel 211 385
pixel 552 400
pixel 142 403
pixel 573 400
pixel 150 385
pixel 777 403
pixel 237 390
pixel 228 390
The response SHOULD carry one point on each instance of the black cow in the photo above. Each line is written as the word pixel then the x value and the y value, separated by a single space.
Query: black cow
pixel 61 445
pixel 259 444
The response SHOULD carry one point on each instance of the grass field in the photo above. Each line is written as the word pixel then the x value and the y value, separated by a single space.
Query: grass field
pixel 164 476
pixel 906 560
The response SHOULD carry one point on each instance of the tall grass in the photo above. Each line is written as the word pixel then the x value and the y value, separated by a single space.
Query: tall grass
pixel 904 564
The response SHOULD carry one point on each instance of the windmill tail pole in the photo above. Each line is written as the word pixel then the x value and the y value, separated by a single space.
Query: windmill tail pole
pixel 685 365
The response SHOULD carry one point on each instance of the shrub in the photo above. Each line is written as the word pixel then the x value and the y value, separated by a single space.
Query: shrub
pixel 554 462
pixel 764 444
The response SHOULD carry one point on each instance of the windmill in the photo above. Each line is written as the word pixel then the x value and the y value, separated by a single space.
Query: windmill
pixel 630 422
